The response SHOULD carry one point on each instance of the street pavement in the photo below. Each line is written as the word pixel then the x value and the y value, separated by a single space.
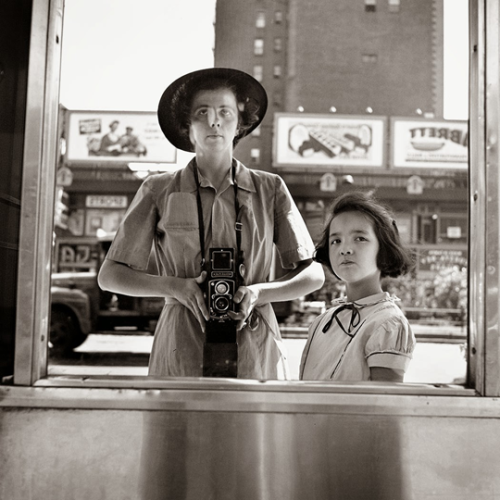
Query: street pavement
pixel 114 354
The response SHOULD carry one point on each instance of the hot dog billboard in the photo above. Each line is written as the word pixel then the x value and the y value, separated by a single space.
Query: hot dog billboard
pixel 429 143
pixel 315 139
pixel 116 137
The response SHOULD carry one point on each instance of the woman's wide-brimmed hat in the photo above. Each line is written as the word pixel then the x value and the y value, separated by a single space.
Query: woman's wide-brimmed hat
pixel 172 107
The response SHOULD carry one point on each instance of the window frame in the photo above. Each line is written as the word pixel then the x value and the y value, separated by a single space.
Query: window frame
pixel 33 299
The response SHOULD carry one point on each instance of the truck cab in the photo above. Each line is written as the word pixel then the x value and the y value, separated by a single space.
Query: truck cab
pixel 79 306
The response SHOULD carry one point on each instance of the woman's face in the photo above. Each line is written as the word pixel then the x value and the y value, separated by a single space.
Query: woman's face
pixel 354 248
pixel 214 120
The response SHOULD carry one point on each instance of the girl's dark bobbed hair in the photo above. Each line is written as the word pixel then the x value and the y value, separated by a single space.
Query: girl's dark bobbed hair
pixel 393 258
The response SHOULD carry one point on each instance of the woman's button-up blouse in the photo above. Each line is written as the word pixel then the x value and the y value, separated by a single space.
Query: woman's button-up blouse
pixel 163 216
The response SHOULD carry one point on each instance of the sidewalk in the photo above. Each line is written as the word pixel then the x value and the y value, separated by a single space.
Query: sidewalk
pixel 439 363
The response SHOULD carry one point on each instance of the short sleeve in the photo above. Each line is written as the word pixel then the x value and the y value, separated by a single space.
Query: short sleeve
pixel 391 345
pixel 134 238
pixel 291 235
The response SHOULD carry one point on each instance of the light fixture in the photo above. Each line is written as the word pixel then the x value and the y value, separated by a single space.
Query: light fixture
pixel 418 111
pixel 300 109
pixel 333 109
pixel 369 109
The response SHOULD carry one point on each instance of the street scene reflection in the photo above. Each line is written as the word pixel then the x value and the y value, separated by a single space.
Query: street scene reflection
pixel 355 103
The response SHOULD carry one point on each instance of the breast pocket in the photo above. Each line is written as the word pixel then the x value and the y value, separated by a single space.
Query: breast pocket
pixel 181 212
pixel 179 237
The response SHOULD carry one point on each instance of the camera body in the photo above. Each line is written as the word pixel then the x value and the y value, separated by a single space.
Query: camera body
pixel 221 283
pixel 220 350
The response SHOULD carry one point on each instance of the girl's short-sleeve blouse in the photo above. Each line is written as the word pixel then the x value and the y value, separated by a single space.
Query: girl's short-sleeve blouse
pixel 381 338
pixel 162 220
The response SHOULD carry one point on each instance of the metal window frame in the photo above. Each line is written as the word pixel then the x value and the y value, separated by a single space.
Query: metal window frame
pixel 38 197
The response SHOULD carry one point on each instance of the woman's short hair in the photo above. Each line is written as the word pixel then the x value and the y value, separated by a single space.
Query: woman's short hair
pixel 393 259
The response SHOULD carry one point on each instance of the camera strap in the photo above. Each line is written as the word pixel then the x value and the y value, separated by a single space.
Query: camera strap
pixel 220 348
pixel 237 227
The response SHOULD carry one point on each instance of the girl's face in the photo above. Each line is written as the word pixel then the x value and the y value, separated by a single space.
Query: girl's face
pixel 214 120
pixel 353 250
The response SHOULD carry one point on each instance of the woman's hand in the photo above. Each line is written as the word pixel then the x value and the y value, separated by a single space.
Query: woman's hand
pixel 246 297
pixel 189 294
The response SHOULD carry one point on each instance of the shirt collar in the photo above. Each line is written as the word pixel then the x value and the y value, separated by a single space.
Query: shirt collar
pixel 366 301
pixel 243 178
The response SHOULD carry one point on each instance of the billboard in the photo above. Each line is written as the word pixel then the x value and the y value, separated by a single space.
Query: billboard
pixel 424 143
pixel 314 139
pixel 116 137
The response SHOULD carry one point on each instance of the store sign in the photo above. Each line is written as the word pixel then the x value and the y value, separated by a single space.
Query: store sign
pixel 415 185
pixel 64 177
pixel 314 139
pixel 76 256
pixel 106 201
pixel 116 137
pixel 439 259
pixel 328 183
pixel 429 143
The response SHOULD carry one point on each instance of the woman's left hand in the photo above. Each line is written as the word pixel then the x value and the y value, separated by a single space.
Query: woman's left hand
pixel 246 297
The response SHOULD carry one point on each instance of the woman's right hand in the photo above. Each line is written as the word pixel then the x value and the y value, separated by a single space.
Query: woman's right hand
pixel 190 295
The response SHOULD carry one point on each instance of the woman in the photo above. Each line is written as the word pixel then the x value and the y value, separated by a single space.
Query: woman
pixel 110 143
pixel 214 202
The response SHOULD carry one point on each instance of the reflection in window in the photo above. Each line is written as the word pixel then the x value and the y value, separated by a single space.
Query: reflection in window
pixel 260 21
pixel 257 72
pixel 437 233
pixel 255 156
pixel 394 5
pixel 369 58
pixel 258 46
pixel 256 132
pixel 370 5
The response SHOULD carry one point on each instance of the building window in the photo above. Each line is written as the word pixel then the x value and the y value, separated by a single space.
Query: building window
pixel 256 132
pixel 369 58
pixel 370 5
pixel 394 5
pixel 260 21
pixel 258 46
pixel 278 17
pixel 277 99
pixel 255 156
pixel 277 71
pixel 278 45
pixel 257 72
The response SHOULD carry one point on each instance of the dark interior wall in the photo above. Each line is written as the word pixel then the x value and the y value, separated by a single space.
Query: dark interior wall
pixel 15 21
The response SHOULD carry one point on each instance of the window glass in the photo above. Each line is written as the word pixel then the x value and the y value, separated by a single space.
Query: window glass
pixel 260 21
pixel 417 176
pixel 257 72
pixel 370 5
pixel 258 46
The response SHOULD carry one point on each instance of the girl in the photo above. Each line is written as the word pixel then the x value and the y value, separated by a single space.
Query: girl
pixel 214 202
pixel 365 336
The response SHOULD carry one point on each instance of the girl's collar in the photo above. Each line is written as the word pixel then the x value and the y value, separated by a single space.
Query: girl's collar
pixel 367 301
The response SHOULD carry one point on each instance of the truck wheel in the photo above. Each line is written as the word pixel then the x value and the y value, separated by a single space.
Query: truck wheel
pixel 65 332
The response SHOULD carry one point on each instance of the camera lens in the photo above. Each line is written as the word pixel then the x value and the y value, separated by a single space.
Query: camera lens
pixel 221 304
pixel 221 287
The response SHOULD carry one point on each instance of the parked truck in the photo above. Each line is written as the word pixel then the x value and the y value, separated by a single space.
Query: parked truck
pixel 79 306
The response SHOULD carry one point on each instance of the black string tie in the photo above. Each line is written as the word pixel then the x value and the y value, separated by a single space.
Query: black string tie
pixel 353 323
